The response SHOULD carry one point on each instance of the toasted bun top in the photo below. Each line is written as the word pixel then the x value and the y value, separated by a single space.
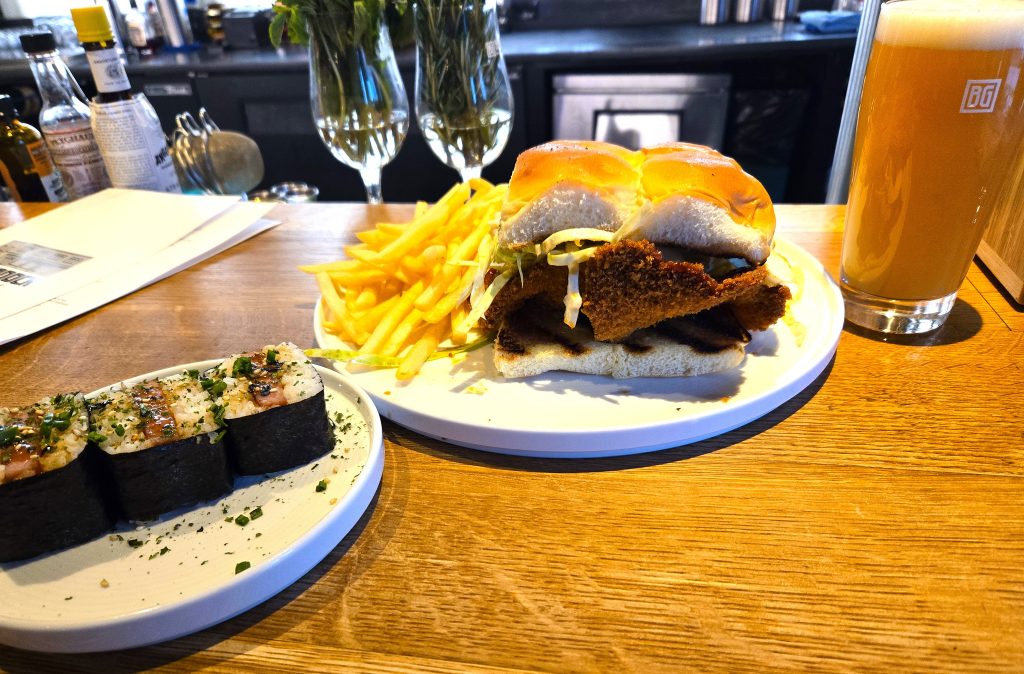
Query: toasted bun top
pixel 699 171
pixel 607 169
pixel 691 195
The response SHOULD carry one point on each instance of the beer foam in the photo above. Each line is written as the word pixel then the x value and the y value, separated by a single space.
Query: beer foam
pixel 978 25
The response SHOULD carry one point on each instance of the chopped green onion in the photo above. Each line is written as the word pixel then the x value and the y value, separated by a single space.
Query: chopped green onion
pixel 242 367
pixel 241 566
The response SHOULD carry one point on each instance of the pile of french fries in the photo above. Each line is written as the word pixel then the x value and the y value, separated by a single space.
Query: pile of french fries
pixel 404 289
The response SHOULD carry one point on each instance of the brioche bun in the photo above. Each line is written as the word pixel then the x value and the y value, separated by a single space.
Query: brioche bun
pixel 679 194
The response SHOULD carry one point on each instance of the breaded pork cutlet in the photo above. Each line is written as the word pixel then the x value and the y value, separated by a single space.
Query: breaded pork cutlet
pixel 627 286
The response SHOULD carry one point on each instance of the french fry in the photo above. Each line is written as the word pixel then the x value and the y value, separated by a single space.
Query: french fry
pixel 340 265
pixel 336 305
pixel 367 298
pixel 404 288
pixel 454 298
pixel 396 340
pixel 358 278
pixel 420 351
pixel 391 319
pixel 375 238
pixel 421 228
pixel 371 318
pixel 450 271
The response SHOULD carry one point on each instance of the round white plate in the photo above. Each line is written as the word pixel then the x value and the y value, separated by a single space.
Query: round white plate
pixel 181 577
pixel 566 415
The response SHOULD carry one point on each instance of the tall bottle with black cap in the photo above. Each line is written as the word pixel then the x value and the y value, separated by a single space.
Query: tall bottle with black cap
pixel 125 125
pixel 26 170
pixel 65 119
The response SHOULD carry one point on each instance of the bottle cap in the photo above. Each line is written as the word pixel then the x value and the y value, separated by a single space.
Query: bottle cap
pixel 33 43
pixel 7 109
pixel 92 24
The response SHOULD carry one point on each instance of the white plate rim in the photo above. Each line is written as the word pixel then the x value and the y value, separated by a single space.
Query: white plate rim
pixel 624 439
pixel 243 591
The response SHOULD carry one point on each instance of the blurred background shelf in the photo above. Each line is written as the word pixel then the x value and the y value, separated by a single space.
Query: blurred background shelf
pixel 780 120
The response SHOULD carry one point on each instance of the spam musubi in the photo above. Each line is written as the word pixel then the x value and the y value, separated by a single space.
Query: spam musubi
pixel 51 492
pixel 163 444
pixel 272 401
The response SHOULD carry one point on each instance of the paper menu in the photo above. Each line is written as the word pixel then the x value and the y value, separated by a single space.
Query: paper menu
pixel 170 233
pixel 72 246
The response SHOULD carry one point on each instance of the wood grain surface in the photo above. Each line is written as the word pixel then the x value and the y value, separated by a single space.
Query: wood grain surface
pixel 873 523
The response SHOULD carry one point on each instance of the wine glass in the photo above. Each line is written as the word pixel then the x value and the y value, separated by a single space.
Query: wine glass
pixel 463 98
pixel 358 100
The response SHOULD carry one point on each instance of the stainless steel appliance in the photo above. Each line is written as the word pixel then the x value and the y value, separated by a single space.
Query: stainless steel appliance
pixel 639 110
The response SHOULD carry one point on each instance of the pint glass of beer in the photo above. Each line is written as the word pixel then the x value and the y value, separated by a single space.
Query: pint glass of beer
pixel 941 117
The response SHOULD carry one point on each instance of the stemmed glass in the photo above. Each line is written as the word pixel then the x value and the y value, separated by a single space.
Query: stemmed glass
pixel 358 100
pixel 463 99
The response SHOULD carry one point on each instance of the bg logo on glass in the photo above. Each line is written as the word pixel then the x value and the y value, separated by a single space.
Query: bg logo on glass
pixel 980 96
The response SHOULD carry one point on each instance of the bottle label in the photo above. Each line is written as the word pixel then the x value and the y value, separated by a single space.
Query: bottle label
pixel 133 145
pixel 77 156
pixel 108 71
pixel 46 171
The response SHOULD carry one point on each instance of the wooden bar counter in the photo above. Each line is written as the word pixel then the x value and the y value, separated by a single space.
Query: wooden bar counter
pixel 873 523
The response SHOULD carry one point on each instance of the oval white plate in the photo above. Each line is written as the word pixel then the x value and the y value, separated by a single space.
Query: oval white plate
pixel 566 415
pixel 182 578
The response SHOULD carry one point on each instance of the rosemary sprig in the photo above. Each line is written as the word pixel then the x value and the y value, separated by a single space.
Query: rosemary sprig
pixel 357 21
pixel 350 69
pixel 460 75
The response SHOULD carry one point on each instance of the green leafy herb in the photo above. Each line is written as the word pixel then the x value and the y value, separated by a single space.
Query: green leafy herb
pixel 53 423
pixel 192 373
pixel 242 367
pixel 119 429
pixel 9 435
pixel 356 19
pixel 241 566
pixel 321 485
pixel 271 357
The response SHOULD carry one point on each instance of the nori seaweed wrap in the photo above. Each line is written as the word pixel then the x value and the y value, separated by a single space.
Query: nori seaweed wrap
pixel 51 491
pixel 272 401
pixel 162 445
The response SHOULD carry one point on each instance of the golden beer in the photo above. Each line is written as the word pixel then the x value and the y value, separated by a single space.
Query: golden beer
pixel 940 117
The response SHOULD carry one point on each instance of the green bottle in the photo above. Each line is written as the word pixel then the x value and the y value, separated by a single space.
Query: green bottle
pixel 27 171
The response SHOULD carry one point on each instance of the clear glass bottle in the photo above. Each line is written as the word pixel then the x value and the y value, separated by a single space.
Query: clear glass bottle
pixel 26 170
pixel 65 119
pixel 141 33
pixel 125 124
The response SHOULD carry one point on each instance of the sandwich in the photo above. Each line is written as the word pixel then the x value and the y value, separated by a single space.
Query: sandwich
pixel 629 264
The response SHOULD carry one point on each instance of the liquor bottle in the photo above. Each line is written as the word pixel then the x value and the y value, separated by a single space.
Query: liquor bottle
pixel 125 125
pixel 64 119
pixel 141 33
pixel 26 168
